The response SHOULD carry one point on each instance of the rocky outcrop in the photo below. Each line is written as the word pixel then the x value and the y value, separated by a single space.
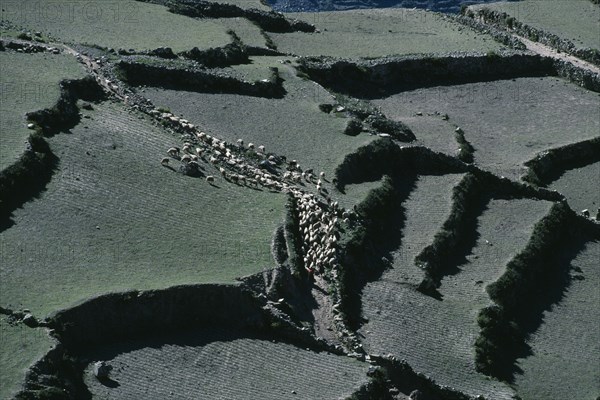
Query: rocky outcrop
pixel 580 76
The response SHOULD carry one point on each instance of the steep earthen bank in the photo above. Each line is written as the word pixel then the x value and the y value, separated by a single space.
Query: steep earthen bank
pixel 547 166
pixel 135 315
pixel 141 71
pixel 469 198
pixel 384 76
pixel 384 156
pixel 28 176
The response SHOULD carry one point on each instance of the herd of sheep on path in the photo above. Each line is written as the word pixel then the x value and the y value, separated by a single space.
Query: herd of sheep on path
pixel 318 219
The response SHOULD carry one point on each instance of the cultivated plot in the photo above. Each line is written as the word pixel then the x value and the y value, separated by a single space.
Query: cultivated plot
pixel 355 193
pixel 431 131
pixel 28 82
pixel 436 337
pixel 378 33
pixel 127 24
pixel 564 360
pixel 113 219
pixel 580 187
pixel 508 121
pixel 221 365
pixel 426 209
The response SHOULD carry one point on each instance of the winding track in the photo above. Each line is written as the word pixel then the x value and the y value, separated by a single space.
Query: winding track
pixel 547 51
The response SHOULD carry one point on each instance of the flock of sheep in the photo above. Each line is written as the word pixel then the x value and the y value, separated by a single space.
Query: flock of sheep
pixel 318 219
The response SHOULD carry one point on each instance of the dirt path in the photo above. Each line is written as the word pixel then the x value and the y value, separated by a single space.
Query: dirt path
pixel 548 51
pixel 323 315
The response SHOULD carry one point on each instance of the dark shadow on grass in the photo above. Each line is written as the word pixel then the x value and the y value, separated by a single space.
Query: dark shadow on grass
pixel 535 280
pixel 373 242
pixel 110 383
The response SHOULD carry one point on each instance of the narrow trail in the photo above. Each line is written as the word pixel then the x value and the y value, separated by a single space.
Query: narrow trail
pixel 547 51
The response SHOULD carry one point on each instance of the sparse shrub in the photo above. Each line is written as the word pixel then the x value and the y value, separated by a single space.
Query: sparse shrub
pixel 326 108
pixel 510 22
pixel 353 127
pixel 492 55
pixel 396 129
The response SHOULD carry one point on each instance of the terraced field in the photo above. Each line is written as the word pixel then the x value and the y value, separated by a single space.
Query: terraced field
pixel 431 130
pixel 312 137
pixel 574 20
pixel 426 208
pixel 564 363
pixel 257 69
pixel 400 323
pixel 127 24
pixel 28 82
pixel 225 365
pixel 126 212
pixel 21 346
pixel 509 121
pixel 580 187
pixel 330 287
pixel 355 193
pixel 378 33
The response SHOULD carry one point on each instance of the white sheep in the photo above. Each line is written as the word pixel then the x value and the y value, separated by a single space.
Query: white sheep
pixel 251 146
pixel 261 149
pixel 240 143
pixel 210 178
pixel 186 158
pixel 322 174
pixel 173 152
pixel 165 161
